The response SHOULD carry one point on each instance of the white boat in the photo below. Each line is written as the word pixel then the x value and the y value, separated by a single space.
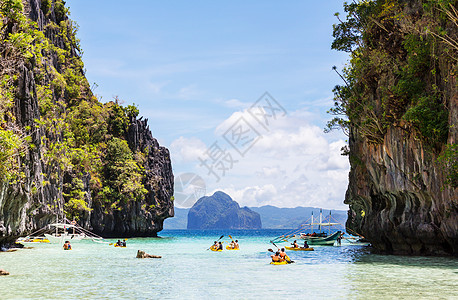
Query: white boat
pixel 315 238
pixel 58 233
pixel 64 232
pixel 321 237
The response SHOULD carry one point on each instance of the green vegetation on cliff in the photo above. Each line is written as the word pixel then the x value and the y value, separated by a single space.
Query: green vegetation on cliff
pixel 83 138
pixel 395 77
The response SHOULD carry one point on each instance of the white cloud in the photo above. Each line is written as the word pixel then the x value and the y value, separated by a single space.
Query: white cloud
pixel 156 87
pixel 189 92
pixel 235 103
pixel 187 149
pixel 293 164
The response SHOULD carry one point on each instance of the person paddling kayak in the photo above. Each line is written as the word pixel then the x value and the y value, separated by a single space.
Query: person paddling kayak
pixel 276 257
pixel 220 246
pixel 214 246
pixel 282 253
pixel 236 244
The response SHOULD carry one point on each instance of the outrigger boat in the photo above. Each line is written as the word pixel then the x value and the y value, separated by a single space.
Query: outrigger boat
pixel 315 238
pixel 58 233
pixel 62 234
pixel 322 238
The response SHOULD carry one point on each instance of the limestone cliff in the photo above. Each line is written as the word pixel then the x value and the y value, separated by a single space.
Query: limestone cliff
pixel 401 102
pixel 219 211
pixel 56 137
pixel 144 218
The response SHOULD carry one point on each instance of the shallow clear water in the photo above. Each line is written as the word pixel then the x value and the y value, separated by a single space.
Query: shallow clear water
pixel 188 271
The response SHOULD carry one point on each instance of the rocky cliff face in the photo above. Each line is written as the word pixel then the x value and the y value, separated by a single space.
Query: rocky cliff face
pixel 46 82
pixel 397 192
pixel 143 218
pixel 397 197
pixel 219 211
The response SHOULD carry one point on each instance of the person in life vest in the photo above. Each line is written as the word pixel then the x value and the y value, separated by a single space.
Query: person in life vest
pixel 295 245
pixel 67 246
pixel 220 246
pixel 232 245
pixel 215 245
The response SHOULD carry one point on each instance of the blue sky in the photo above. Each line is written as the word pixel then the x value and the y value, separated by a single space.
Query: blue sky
pixel 193 67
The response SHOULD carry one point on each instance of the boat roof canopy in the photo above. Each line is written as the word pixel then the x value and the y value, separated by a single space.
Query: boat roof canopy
pixel 62 225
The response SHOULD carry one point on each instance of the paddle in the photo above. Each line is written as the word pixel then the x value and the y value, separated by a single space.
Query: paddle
pixel 217 241
pixel 275 245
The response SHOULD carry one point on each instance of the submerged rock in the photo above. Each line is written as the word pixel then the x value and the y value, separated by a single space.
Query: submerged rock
pixel 142 254
pixel 219 211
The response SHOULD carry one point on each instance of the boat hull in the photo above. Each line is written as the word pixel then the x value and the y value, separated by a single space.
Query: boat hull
pixel 299 249
pixel 229 248
pixel 64 237
pixel 323 241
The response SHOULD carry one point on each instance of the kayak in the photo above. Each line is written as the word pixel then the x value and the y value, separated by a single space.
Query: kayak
pixel 229 248
pixel 285 262
pixel 279 262
pixel 40 241
pixel 299 249
pixel 120 246
pixel 213 249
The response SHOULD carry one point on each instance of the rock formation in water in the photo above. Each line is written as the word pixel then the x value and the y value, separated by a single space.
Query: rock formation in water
pixel 4 273
pixel 219 211
pixel 400 98
pixel 62 152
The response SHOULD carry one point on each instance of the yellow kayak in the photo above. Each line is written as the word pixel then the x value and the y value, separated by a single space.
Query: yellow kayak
pixel 279 262
pixel 213 249
pixel 120 246
pixel 40 241
pixel 299 249
pixel 229 248
pixel 282 262
pixel 285 262
pixel 34 241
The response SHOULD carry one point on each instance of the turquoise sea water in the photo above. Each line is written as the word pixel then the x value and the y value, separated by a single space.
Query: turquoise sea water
pixel 188 271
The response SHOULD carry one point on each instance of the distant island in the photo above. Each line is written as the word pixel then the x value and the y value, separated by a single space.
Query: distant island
pixel 219 211
pixel 272 217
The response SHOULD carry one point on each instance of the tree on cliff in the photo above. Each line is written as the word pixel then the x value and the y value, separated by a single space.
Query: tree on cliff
pixel 394 75
pixel 399 106
pixel 61 149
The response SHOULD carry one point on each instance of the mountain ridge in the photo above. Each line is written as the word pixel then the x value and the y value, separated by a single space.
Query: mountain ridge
pixel 219 211
pixel 279 218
